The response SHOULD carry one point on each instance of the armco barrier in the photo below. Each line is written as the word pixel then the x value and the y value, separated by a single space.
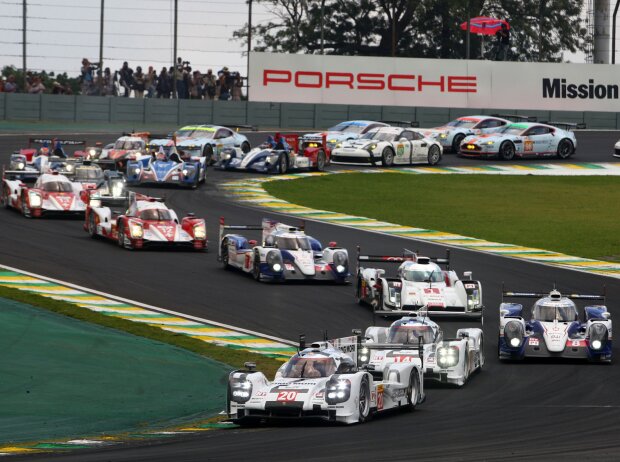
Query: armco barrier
pixel 263 115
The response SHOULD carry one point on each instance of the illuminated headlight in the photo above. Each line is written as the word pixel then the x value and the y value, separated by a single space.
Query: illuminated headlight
pixel 598 335
pixel 515 342
pixel 20 166
pixel 34 199
pixel 274 260
pixel 184 172
pixel 443 136
pixel 364 355
pixel 340 261
pixel 226 156
pixel 332 141
pixel 136 231
pixel 272 159
pixel 92 153
pixel 136 171
pixel 95 202
pixel 490 143
pixel 473 299
pixel 337 390
pixel 200 232
pixel 277 267
pixel 371 147
pixel 117 188
pixel 447 356
pixel 597 344
pixel 339 145
pixel 513 333
pixel 69 167
pixel 240 390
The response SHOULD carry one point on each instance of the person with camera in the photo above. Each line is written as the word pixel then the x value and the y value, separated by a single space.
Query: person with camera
pixel 164 84
pixel 87 78
pixel 237 86
pixel 149 82
pixel 126 78
pixel 209 85
pixel 225 83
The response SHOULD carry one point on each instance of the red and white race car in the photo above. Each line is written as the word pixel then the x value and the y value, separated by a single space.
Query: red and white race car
pixel 147 222
pixel 51 194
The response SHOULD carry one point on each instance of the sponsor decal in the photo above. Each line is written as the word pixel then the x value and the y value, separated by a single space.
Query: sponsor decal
pixel 403 359
pixel 533 341
pixel 379 397
pixel 167 231
pixel 400 150
pixel 469 286
pixel 559 88
pixel 289 267
pixel 64 201
pixel 576 343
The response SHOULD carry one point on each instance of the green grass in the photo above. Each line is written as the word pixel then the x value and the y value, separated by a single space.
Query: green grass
pixel 573 215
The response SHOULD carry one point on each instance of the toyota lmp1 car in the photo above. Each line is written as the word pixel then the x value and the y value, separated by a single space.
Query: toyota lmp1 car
pixel 209 140
pixel 554 329
pixel 327 381
pixel 147 222
pixel 420 283
pixel 524 139
pixel 344 131
pixel 389 146
pixel 285 253
pixel 453 133
pixel 445 360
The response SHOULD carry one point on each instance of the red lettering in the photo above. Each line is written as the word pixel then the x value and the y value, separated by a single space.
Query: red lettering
pixel 439 84
pixel 334 78
pixel 370 81
pixel 271 75
pixel 393 77
pixel 462 84
pixel 300 84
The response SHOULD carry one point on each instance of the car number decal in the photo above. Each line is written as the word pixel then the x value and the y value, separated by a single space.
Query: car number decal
pixel 380 398
pixel 286 396
pixel 533 341
pixel 528 145
pixel 400 150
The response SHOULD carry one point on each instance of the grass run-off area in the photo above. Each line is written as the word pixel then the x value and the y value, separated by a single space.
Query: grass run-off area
pixel 573 215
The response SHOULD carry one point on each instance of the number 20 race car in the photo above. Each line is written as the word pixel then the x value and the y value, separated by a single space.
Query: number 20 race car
pixel 554 329
pixel 326 381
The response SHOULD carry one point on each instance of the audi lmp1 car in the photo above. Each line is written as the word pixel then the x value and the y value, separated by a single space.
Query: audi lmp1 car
pixel 147 222
pixel 327 382
pixel 51 194
pixel 420 283
pixel 453 133
pixel 285 253
pixel 344 131
pixel 554 329
pixel 445 360
pixel 209 140
pixel 524 140
pixel 389 146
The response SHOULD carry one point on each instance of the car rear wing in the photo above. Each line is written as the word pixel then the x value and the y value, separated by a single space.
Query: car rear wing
pixel 447 312
pixel 23 175
pixel 566 125
pixel 53 141
pixel 408 255
pixel 402 123
pixel 516 117
pixel 243 127
pixel 224 227
pixel 510 294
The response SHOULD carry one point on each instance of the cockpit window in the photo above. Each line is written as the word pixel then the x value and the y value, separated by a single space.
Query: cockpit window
pixel 57 186
pixel 88 174
pixel 380 135
pixel 347 127
pixel 293 243
pixel 156 214
pixel 548 313
pixel 463 123
pixel 426 275
pixel 411 334
pixel 129 145
pixel 309 368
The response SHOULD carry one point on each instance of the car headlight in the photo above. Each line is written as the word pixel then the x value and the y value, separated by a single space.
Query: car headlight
pixel 95 202
pixel 490 143
pixel 332 141
pixel 92 153
pixel 69 167
pixel 371 147
pixel 200 232
pixel 473 299
pixel 274 260
pixel 363 355
pixel 117 188
pixel 20 166
pixel 184 172
pixel 337 390
pixel 136 231
pixel 598 335
pixel 240 390
pixel 34 199
pixel 338 145
pixel 226 156
pixel 136 171
pixel 513 333
pixel 340 261
pixel 443 136
pixel 447 356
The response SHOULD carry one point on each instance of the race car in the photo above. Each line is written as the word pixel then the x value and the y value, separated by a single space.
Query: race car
pixel 327 382
pixel 617 149
pixel 285 253
pixel 420 283
pixel 279 154
pixel 445 360
pixel 93 153
pixel 452 134
pixel 51 194
pixel 146 222
pixel 344 131
pixel 27 164
pixel 209 140
pixel 127 147
pixel 167 166
pixel 524 139
pixel 388 146
pixel 553 329
pixel 108 184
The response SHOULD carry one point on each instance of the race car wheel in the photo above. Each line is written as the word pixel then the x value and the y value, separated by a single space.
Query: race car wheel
pixel 25 208
pixel 387 157
pixel 358 292
pixel 481 353
pixel 565 149
pixel 224 253
pixel 282 166
pixel 466 367
pixel 434 155
pixel 256 268
pixel 92 226
pixel 245 147
pixel 4 198
pixel 207 152
pixel 413 390
pixel 507 151
pixel 121 235
pixel 320 161
pixel 364 401
pixel 456 142
pixel 194 184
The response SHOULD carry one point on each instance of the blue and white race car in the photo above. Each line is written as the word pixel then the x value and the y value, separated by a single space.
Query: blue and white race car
pixel 524 139
pixel 554 329
pixel 344 131
pixel 453 133
pixel 209 140
pixel 285 253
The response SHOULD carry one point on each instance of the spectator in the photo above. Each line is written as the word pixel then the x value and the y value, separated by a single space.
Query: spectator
pixel 36 87
pixel 237 86
pixel 10 86
pixel 224 84
pixel 87 77
pixel 210 85
pixel 503 43
pixel 139 80
pixel 150 81
pixel 164 86
pixel 1 85
pixel 108 88
pixel 126 78
pixel 179 78
pixel 57 88
pixel 196 86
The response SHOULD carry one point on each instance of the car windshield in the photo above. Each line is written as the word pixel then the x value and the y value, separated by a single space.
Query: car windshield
pixel 463 123
pixel 156 214
pixel 184 133
pixel 309 368
pixel 411 334
pixel 128 145
pixel 293 243
pixel 548 313
pixel 417 275
pixel 379 135
pixel 57 186
pixel 512 130
pixel 88 174
pixel 347 127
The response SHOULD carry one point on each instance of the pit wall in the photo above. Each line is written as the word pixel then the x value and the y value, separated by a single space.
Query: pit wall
pixel 262 115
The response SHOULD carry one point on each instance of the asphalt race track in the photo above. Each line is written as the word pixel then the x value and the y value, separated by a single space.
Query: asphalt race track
pixel 532 411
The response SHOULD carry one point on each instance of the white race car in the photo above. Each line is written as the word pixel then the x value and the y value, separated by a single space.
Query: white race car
pixel 445 360
pixel 617 149
pixel 452 134
pixel 388 146
pixel 419 283
pixel 285 253
pixel 325 382
pixel 344 131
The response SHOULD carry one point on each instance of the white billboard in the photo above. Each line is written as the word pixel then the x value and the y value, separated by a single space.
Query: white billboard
pixel 276 77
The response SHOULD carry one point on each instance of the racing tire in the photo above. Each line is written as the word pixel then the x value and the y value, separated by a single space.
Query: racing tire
pixel 4 197
pixel 387 157
pixel 413 391
pixel 196 181
pixel 256 268
pixel 120 240
pixel 434 155
pixel 92 226
pixel 224 255
pixel 358 292
pixel 456 142
pixel 466 369
pixel 208 154
pixel 321 161
pixel 507 151
pixel 245 147
pixel 282 165
pixel 481 354
pixel 363 401
pixel 565 148
pixel 25 209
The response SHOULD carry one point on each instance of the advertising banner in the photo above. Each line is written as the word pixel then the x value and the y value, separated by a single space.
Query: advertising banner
pixel 316 79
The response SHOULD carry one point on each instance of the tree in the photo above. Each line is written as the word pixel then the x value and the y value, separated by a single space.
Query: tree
pixel 541 29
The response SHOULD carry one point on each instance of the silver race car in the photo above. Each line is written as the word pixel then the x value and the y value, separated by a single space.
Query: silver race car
pixel 452 134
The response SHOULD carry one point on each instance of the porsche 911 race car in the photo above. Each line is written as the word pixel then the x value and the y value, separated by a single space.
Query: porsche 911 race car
pixel 209 140
pixel 388 146
pixel 51 194
pixel 524 139
pixel 167 166
pixel 419 284
pixel 326 382
pixel 344 131
pixel 278 154
pixel 285 253
pixel 554 329
pixel 452 134
pixel 445 360
pixel 127 147
pixel 147 222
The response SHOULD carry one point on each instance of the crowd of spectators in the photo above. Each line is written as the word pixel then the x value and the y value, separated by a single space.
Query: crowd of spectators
pixel 34 84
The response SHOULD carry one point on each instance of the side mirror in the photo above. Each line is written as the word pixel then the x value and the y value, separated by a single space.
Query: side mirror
pixel 252 242
pixel 356 332
pixel 251 366
pixel 333 244
pixel 467 275
pixel 606 315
